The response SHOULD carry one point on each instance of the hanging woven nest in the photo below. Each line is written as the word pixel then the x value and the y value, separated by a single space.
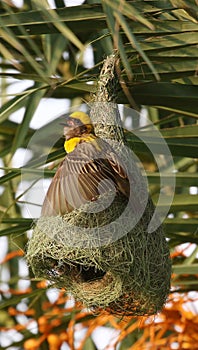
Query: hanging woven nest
pixel 103 253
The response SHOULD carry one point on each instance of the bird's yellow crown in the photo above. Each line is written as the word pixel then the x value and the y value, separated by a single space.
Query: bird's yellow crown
pixel 83 117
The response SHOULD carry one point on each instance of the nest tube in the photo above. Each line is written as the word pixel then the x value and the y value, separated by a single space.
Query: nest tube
pixel 104 254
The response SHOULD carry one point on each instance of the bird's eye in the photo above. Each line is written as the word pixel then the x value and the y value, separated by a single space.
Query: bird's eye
pixel 70 122
pixel 74 122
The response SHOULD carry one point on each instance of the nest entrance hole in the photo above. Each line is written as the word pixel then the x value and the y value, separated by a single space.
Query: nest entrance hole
pixel 90 273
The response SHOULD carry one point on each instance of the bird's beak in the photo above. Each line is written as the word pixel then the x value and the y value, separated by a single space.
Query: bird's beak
pixel 69 124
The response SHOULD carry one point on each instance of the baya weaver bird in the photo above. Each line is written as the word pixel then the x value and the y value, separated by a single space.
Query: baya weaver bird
pixel 90 168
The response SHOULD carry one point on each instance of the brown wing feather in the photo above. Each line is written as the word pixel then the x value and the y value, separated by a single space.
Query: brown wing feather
pixel 91 169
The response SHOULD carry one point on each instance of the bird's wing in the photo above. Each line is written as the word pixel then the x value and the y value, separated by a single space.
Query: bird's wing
pixel 90 170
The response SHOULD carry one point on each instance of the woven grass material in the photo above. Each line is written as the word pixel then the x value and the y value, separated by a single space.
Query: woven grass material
pixel 130 275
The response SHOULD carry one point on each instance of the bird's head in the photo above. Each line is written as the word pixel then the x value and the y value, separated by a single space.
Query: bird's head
pixel 77 124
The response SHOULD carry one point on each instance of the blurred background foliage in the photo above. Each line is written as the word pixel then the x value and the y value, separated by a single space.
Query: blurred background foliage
pixel 47 47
